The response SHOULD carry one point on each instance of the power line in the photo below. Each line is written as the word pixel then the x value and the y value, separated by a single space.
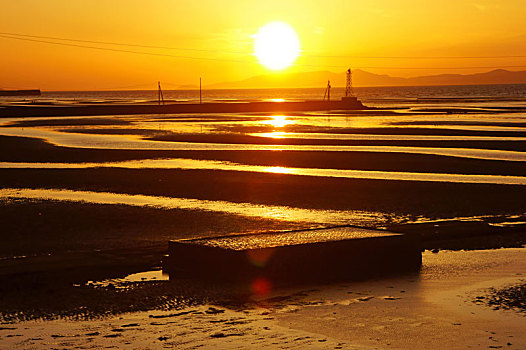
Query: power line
pixel 416 57
pixel 304 53
pixel 125 51
pixel 244 61
pixel 120 44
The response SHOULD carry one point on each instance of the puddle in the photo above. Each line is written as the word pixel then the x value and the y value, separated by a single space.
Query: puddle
pixel 146 276
pixel 508 223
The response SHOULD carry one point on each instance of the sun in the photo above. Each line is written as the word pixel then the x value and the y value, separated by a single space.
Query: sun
pixel 276 45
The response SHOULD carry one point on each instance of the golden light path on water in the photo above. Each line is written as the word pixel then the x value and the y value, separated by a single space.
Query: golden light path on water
pixel 325 136
pixel 134 143
pixel 315 216
pixel 229 166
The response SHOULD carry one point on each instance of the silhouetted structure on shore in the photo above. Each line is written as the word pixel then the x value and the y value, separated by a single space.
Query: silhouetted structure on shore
pixel 346 103
pixel 34 92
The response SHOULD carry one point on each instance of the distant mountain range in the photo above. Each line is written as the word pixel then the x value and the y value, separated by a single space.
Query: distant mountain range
pixel 363 78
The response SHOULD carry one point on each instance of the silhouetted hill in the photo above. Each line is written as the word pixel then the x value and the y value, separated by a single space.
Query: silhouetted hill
pixel 363 78
pixel 498 76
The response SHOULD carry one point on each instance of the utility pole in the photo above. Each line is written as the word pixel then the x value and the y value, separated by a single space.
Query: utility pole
pixel 327 94
pixel 200 92
pixel 160 97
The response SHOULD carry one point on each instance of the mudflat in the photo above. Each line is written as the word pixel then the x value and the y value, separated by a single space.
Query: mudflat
pixel 76 222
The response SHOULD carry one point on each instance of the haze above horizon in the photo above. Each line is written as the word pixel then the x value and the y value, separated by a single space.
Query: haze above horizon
pixel 117 44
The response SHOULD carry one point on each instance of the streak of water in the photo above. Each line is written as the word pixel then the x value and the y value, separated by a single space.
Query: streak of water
pixel 130 142
pixel 332 217
pixel 217 165
pixel 335 136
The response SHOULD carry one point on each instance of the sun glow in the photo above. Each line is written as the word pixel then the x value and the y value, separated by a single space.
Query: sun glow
pixel 276 45
pixel 278 121
pixel 277 170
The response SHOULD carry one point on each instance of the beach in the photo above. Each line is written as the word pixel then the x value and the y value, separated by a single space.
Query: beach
pixel 87 200
pixel 442 307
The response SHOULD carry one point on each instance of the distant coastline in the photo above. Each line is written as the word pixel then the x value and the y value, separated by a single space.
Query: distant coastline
pixel 32 92
pixel 363 78
pixel 335 87
pixel 318 79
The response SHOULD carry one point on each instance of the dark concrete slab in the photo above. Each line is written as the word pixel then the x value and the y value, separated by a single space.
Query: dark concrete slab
pixel 340 253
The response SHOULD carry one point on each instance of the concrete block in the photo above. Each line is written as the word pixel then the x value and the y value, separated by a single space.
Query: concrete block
pixel 339 253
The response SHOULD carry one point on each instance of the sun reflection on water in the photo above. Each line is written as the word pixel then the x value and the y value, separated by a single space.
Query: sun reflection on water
pixel 278 121
pixel 278 170
pixel 274 135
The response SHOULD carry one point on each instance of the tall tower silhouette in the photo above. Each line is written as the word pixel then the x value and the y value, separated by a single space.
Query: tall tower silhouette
pixel 349 92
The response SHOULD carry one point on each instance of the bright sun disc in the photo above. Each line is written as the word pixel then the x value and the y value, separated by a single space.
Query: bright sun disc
pixel 276 45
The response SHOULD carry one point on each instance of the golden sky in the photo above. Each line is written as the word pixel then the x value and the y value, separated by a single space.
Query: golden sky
pixel 217 38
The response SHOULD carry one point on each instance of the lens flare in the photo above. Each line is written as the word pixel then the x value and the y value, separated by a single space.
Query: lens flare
pixel 260 287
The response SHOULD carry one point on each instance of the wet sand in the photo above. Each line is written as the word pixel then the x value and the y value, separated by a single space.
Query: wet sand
pixel 36 150
pixel 416 198
pixel 243 139
pixel 440 308
pixel 52 247
pixel 44 227
pixel 67 226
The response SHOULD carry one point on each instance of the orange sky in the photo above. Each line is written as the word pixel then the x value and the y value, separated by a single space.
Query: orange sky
pixel 224 29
